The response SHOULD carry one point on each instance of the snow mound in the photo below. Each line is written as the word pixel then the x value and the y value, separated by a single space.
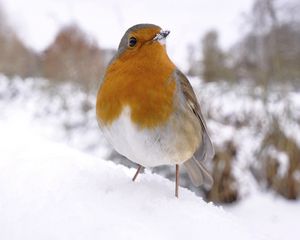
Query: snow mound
pixel 265 213
pixel 51 191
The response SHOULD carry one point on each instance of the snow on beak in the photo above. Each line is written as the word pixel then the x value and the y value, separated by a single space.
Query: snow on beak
pixel 161 36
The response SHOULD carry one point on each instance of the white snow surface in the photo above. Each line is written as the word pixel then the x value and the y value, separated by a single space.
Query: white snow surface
pixel 277 218
pixel 51 191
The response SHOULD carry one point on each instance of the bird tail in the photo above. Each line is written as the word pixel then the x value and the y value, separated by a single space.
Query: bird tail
pixel 198 173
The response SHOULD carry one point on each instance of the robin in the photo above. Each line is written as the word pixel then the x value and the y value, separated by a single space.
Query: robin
pixel 148 110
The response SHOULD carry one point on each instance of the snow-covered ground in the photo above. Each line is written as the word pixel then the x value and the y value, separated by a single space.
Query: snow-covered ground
pixel 51 189
pixel 265 213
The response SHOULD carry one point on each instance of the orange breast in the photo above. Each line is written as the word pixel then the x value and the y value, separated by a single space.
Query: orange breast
pixel 142 82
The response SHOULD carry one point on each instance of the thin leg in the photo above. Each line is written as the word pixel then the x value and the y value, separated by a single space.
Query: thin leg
pixel 177 180
pixel 137 172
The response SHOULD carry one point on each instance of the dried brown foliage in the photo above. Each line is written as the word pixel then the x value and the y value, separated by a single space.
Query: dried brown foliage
pixel 15 58
pixel 225 188
pixel 287 183
pixel 73 57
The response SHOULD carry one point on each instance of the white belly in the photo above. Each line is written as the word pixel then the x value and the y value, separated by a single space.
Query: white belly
pixel 148 148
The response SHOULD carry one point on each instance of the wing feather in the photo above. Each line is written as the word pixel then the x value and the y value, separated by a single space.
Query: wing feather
pixel 205 152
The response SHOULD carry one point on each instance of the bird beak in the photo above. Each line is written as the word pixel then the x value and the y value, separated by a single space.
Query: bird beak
pixel 161 35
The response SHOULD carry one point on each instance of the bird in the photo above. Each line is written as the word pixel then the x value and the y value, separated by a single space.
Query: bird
pixel 148 110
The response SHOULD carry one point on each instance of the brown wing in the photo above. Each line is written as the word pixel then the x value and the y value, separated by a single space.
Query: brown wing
pixel 197 172
pixel 192 101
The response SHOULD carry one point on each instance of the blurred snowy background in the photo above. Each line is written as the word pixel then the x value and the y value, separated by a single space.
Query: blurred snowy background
pixel 242 57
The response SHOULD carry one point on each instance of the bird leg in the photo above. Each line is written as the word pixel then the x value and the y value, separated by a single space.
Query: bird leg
pixel 137 172
pixel 177 180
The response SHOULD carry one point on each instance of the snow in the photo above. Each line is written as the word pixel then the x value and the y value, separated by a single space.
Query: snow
pixel 56 183
pixel 282 159
pixel 241 116
pixel 276 217
pixel 51 191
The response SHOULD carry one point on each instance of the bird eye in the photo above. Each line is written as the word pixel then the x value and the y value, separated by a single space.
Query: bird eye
pixel 132 42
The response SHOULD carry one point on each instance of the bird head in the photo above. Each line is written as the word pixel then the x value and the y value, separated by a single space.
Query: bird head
pixel 142 38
